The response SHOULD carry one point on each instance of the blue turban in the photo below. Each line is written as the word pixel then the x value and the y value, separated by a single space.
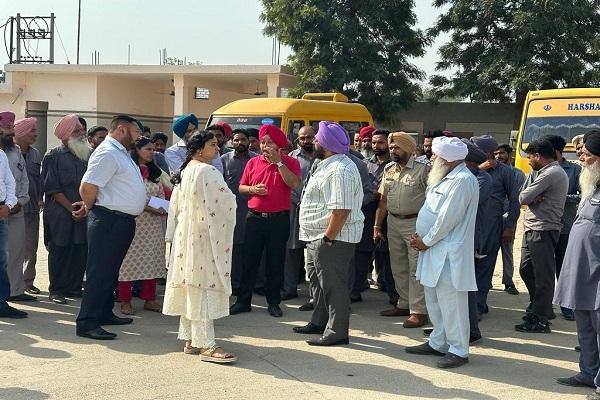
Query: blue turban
pixel 486 143
pixel 180 124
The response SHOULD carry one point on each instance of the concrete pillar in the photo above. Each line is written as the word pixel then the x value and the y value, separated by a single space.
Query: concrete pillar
pixel 273 85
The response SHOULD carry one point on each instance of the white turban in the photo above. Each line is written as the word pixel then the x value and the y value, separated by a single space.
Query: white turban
pixel 449 148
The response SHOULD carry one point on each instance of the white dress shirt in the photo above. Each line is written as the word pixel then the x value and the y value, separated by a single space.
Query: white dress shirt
pixel 119 180
pixel 7 182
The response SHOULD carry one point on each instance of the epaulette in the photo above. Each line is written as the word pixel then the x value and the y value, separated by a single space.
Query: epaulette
pixel 388 166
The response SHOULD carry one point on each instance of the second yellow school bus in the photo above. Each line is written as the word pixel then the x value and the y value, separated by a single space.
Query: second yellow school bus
pixel 292 114
pixel 563 112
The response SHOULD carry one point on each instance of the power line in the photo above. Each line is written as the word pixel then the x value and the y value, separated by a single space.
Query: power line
pixel 61 43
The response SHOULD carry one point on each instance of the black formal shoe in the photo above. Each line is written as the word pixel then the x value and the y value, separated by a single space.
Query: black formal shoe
pixel 511 290
pixel 275 310
pixel 238 308
pixel 32 290
pixel 533 327
pixel 308 306
pixel 260 291
pixel 474 339
pixel 22 297
pixel 57 298
pixel 424 349
pixel 288 296
pixel 11 312
pixel 573 381
pixel 355 298
pixel 577 348
pixel 309 329
pixel 114 320
pixel 452 361
pixel 327 341
pixel 98 334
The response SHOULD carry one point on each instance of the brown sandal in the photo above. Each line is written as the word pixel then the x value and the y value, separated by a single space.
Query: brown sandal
pixel 153 306
pixel 127 308
pixel 211 355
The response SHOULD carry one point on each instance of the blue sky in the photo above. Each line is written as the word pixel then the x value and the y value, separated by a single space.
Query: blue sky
pixel 212 32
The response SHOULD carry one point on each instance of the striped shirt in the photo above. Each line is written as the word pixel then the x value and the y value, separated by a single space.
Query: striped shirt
pixel 334 185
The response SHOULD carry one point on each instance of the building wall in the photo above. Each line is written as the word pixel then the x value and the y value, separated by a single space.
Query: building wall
pixel 464 119
pixel 148 100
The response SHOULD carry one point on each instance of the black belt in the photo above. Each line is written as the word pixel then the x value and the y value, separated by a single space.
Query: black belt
pixel 117 213
pixel 267 215
pixel 407 216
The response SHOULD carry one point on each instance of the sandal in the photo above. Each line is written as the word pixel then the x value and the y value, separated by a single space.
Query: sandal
pixel 127 308
pixel 211 355
pixel 153 306
pixel 194 351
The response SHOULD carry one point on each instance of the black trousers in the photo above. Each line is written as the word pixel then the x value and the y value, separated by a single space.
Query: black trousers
pixel 109 238
pixel 538 267
pixel 561 249
pixel 66 266
pixel 264 234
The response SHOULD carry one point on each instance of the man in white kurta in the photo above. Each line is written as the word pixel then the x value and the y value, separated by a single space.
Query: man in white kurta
pixel 444 238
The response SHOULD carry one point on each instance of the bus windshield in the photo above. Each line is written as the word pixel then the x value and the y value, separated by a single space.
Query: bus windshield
pixel 243 122
pixel 567 127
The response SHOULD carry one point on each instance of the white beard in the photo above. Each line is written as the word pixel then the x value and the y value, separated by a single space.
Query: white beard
pixel 79 147
pixel 588 180
pixel 366 153
pixel 439 170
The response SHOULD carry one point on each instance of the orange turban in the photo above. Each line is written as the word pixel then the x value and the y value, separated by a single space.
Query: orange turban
pixel 404 141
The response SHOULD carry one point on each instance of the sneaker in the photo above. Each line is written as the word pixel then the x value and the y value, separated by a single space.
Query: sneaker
pixel 32 290
pixel 57 298
pixel 511 289
pixel 533 326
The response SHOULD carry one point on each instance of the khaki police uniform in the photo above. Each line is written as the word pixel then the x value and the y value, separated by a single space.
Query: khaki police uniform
pixel 405 191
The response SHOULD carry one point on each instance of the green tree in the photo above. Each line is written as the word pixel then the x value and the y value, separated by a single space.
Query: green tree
pixel 361 48
pixel 501 49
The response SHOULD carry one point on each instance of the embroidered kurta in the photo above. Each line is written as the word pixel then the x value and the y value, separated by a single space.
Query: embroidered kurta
pixel 200 229
pixel 145 258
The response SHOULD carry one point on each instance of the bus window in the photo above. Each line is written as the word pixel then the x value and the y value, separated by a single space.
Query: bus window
pixel 244 122
pixel 293 129
pixel 351 126
pixel 568 127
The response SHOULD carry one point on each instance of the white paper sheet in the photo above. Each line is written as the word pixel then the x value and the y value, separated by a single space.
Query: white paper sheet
pixel 156 202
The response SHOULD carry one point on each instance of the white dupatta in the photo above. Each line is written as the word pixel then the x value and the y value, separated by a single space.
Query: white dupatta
pixel 200 230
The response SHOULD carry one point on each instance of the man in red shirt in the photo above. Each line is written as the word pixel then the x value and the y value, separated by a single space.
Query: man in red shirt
pixel 268 181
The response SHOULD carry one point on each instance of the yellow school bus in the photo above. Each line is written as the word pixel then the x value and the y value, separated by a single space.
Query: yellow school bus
pixel 564 112
pixel 292 114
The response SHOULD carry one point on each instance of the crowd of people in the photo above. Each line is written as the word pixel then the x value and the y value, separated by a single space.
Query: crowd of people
pixel 243 211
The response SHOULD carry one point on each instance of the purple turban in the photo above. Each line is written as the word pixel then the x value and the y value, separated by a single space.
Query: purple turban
pixel 7 118
pixel 333 137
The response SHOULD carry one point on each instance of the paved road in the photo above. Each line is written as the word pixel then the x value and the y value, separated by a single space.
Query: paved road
pixel 41 358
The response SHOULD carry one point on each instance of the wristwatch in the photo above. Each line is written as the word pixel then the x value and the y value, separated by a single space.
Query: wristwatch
pixel 327 240
pixel 280 164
